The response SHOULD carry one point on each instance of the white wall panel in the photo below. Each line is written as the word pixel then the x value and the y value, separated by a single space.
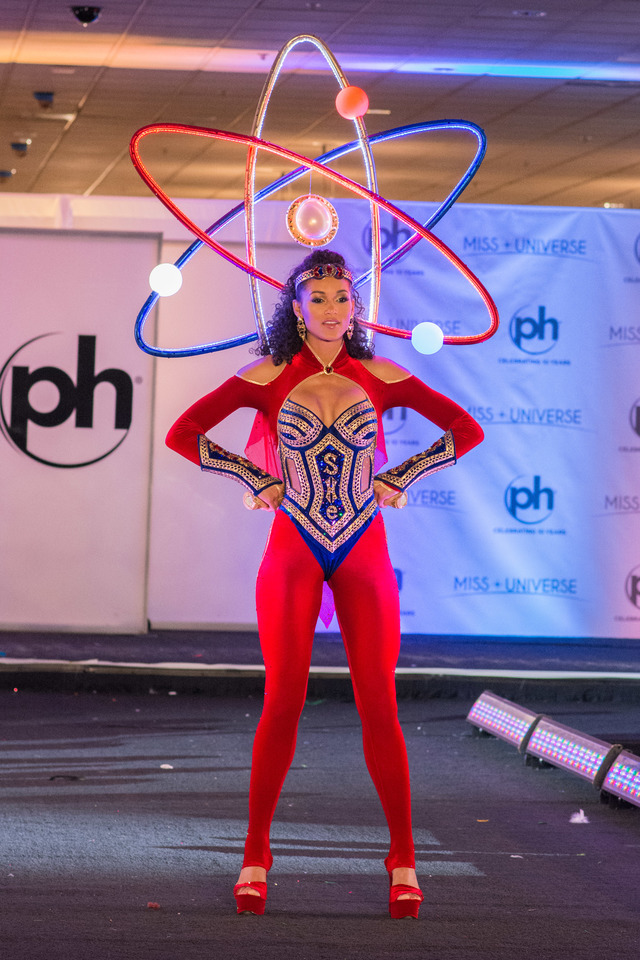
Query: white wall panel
pixel 74 518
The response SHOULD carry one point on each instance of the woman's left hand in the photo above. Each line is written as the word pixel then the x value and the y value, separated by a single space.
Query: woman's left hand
pixel 269 499
pixel 387 496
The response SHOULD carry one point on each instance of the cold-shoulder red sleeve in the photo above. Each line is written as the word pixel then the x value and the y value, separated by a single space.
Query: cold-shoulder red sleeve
pixel 442 411
pixel 205 413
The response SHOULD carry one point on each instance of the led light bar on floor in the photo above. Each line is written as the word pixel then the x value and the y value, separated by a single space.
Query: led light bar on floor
pixel 503 719
pixel 563 747
pixel 623 778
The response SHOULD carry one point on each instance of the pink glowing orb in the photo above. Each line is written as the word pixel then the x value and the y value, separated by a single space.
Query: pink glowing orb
pixel 312 220
pixel 352 102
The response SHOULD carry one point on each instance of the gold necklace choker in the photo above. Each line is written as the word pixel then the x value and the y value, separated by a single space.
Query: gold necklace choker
pixel 326 367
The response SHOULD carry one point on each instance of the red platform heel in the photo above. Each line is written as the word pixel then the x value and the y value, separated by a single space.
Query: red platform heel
pixel 399 909
pixel 248 902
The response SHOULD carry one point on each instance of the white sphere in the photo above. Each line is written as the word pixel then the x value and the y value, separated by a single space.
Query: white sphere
pixel 427 337
pixel 165 279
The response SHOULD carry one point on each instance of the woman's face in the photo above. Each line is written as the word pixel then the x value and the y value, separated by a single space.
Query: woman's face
pixel 326 306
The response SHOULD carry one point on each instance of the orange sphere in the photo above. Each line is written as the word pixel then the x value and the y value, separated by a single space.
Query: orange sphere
pixel 352 102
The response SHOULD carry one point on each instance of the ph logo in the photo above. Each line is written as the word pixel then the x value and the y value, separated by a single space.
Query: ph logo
pixel 534 334
pixel 529 504
pixel 634 417
pixel 46 397
pixel 390 237
pixel 394 420
pixel 632 587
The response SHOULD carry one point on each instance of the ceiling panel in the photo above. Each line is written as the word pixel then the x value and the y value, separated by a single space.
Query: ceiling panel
pixel 561 141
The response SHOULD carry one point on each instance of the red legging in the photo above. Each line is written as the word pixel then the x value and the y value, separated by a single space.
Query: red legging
pixel 289 593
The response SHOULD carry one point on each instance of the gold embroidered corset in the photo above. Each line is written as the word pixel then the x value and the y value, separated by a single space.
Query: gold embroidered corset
pixel 328 474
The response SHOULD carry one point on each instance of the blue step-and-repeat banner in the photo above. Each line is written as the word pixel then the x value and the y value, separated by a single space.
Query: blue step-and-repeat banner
pixel 535 533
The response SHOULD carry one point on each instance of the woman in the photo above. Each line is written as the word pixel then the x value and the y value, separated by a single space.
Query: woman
pixel 320 395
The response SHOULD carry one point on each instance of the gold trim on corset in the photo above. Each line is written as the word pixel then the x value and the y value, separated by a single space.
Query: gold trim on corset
pixel 329 461
pixel 296 458
pixel 330 545
pixel 323 488
pixel 359 495
pixel 300 426
pixel 289 399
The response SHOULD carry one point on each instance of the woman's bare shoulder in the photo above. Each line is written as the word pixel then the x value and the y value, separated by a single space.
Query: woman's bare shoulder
pixel 261 371
pixel 385 369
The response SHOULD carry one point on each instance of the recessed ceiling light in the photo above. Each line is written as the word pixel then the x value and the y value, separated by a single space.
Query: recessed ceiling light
pixel 613 206
pixel 529 14
pixel 66 117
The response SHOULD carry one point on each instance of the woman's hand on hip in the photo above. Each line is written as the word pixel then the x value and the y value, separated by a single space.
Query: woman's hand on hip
pixel 387 496
pixel 268 499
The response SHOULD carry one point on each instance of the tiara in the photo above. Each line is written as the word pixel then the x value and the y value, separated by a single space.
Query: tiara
pixel 323 270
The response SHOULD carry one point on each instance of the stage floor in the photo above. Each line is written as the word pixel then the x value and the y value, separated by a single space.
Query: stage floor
pixel 242 648
pixel 111 802
pixel 229 662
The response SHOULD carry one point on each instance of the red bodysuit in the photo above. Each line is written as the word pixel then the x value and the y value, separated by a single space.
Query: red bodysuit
pixel 328 528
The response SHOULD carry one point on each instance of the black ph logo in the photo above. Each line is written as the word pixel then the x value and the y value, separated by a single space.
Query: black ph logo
pixel 632 587
pixel 634 417
pixel 529 504
pixel 391 237
pixel 534 334
pixel 72 397
pixel 394 420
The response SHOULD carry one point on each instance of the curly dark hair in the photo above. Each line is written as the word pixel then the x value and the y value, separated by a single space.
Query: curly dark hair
pixel 283 339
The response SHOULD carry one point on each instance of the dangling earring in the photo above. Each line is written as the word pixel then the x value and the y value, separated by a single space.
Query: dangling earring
pixel 349 330
pixel 301 328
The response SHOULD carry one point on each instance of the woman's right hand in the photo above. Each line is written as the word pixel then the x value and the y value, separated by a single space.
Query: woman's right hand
pixel 268 499
pixel 388 496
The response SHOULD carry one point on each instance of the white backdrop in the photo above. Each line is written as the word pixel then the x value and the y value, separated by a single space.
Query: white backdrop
pixel 534 533
pixel 74 495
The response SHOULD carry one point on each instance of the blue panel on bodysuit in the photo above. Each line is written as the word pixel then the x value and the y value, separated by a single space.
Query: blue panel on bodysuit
pixel 328 505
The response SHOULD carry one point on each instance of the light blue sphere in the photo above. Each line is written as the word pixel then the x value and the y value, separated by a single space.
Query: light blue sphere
pixel 427 337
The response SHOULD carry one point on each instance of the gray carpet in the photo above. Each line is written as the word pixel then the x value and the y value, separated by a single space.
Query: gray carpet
pixel 94 829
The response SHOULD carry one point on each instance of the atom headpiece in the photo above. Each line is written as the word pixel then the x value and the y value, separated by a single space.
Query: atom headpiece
pixel 308 225
pixel 323 270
